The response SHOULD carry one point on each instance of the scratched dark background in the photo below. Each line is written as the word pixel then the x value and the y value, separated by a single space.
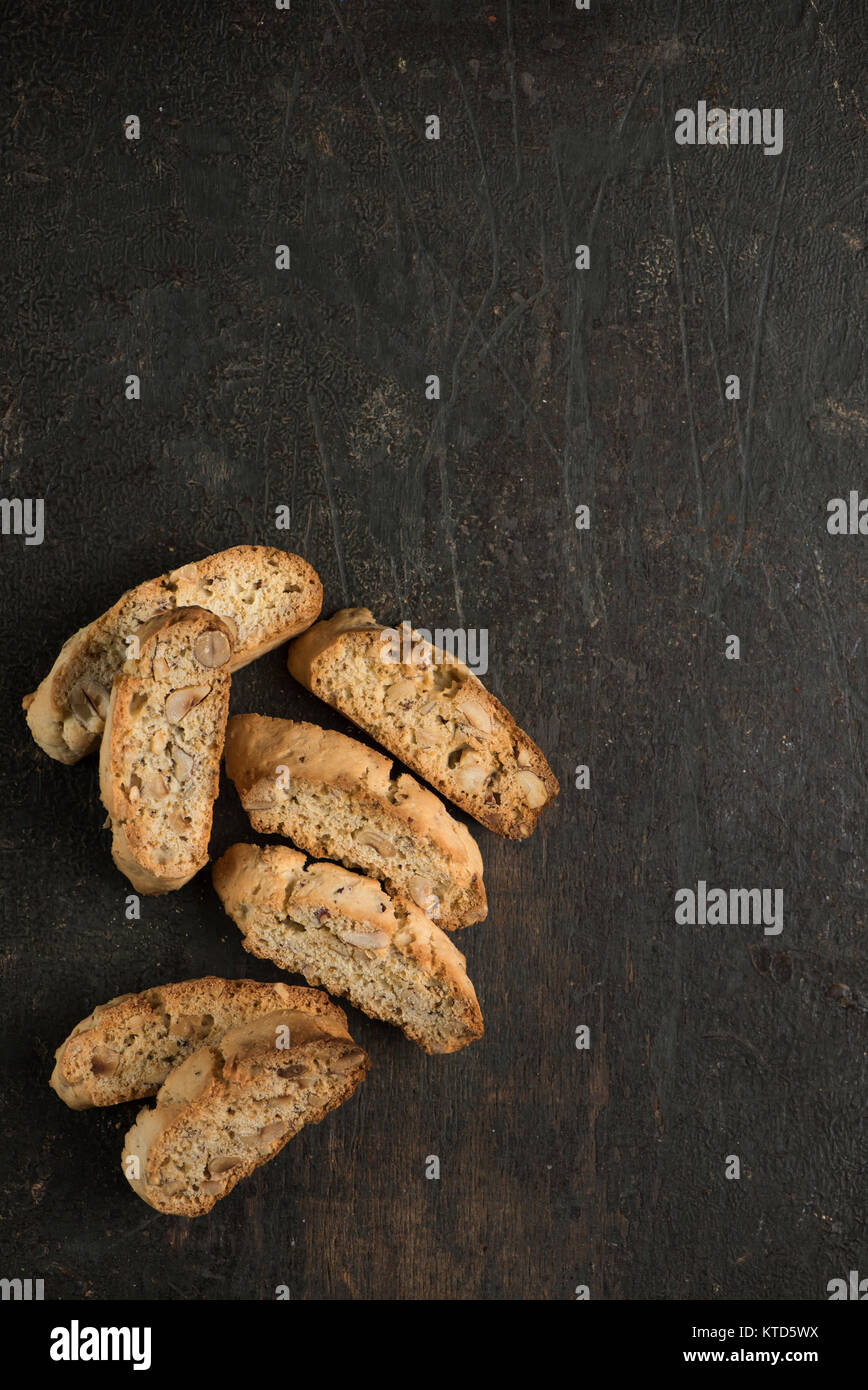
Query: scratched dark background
pixel 560 387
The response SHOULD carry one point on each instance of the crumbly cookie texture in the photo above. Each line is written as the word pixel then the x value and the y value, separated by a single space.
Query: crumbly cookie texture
pixel 232 1106
pixel 432 713
pixel 264 595
pixel 159 767
pixel 337 799
pixel 343 932
pixel 125 1049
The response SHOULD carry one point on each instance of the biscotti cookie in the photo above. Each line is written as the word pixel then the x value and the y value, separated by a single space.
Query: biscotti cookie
pixel 231 1107
pixel 265 596
pixel 159 765
pixel 432 713
pixel 341 931
pixel 337 799
pixel 126 1048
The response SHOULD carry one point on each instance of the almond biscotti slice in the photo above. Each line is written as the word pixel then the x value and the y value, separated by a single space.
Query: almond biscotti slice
pixel 126 1048
pixel 159 765
pixel 432 713
pixel 265 596
pixel 337 799
pixel 232 1106
pixel 341 931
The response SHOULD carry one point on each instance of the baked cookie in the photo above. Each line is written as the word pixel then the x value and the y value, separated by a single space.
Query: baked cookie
pixel 159 765
pixel 341 931
pixel 337 799
pixel 126 1048
pixel 432 713
pixel 232 1106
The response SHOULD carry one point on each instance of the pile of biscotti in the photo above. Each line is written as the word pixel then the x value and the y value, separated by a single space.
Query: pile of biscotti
pixel 381 873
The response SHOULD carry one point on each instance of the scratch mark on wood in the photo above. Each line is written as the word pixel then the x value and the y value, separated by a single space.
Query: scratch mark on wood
pixel 333 511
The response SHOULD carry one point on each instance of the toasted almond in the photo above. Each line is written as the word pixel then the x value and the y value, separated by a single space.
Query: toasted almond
pixel 533 790
pixel 429 735
pixel 524 757
pixel 212 648
pixel 420 887
pixel 376 841
pixel 471 772
pixel 160 668
pixel 275 1130
pixel 155 785
pixel 348 1062
pixel 471 779
pixel 296 1072
pixel 399 691
pixel 211 1189
pixel 89 703
pixel 423 895
pixel 180 702
pixel 366 940
pixel 159 740
pixel 223 1164
pixel 476 715
pixel 98 697
pixel 182 763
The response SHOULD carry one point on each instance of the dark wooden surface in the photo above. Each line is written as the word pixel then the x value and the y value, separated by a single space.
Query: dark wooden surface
pixel 305 388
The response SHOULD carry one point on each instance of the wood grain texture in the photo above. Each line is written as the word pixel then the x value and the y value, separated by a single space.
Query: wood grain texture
pixel 306 388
